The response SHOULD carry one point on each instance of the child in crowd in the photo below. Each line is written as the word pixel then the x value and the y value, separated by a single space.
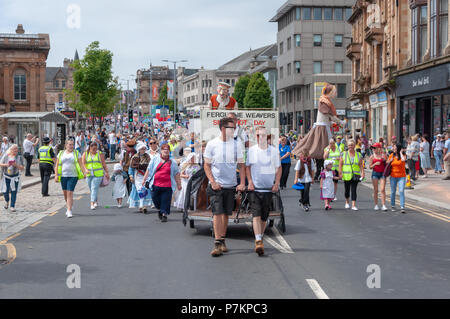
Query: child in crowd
pixel 327 177
pixel 120 188
pixel 304 173
pixel 188 168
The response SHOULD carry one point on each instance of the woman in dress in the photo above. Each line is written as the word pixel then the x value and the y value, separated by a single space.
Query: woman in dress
pixel 425 161
pixel 139 196
pixel 119 179
pixel 11 164
pixel 188 168
pixel 317 138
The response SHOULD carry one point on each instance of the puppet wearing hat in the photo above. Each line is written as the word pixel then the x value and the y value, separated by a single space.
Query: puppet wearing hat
pixel 223 100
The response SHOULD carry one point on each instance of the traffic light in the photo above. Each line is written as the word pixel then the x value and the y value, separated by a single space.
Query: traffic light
pixel 177 118
pixel 130 116
pixel 300 121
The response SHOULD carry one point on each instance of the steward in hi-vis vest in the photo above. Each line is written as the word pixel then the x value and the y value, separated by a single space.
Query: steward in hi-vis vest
pixel 46 162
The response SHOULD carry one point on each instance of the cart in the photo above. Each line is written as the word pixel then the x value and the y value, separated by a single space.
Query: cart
pixel 197 207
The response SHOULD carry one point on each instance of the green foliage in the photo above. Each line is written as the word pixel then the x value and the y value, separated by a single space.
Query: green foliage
pixel 258 94
pixel 240 88
pixel 95 91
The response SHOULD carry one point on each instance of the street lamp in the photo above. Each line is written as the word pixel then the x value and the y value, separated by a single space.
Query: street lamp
pixel 174 84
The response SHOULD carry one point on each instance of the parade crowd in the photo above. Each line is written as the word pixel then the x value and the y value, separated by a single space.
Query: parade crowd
pixel 155 164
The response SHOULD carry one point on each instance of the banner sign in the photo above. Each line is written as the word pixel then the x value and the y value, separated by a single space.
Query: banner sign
pixel 155 93
pixel 208 126
pixel 170 89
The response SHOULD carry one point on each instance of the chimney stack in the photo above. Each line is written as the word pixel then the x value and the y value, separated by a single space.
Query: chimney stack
pixel 20 29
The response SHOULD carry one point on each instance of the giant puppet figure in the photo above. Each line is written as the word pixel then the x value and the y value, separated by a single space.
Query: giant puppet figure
pixel 223 100
pixel 319 136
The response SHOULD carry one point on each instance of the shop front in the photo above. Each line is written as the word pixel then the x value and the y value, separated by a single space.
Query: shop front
pixel 379 115
pixel 423 100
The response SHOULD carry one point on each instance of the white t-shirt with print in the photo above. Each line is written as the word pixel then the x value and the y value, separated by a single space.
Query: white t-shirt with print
pixel 306 177
pixel 224 157
pixel 263 166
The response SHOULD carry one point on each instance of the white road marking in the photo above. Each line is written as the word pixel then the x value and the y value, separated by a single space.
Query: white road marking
pixel 316 289
pixel 282 246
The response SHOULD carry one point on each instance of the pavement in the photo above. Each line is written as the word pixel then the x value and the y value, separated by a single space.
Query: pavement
pixel 430 191
pixel 120 253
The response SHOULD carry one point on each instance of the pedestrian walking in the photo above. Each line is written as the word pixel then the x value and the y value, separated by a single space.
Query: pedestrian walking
pixel 398 175
pixel 154 149
pixel 285 157
pixel 187 168
pixel 412 153
pixel 128 154
pixel 377 163
pixel 112 144
pixel 47 159
pixel 5 145
pixel 327 185
pixel 139 196
pixel 304 173
pixel 332 152
pixel 11 164
pixel 437 149
pixel 119 178
pixel 78 142
pixel 446 155
pixel 222 157
pixel 28 151
pixel 164 180
pixel 94 163
pixel 68 170
pixel 351 170
pixel 263 171
pixel 425 161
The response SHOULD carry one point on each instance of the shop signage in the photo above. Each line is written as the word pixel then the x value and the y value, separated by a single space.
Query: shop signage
pixel 382 97
pixel 351 114
pixel 373 99
pixel 69 114
pixel 60 134
pixel 430 79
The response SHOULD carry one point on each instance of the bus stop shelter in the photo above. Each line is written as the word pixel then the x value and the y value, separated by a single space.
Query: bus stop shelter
pixel 40 124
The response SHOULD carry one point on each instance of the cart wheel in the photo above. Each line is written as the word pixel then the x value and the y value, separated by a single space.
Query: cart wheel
pixel 270 223
pixel 191 223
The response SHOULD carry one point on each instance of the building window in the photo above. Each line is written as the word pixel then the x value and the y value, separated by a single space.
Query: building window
pixel 433 27
pixel 297 40
pixel 380 62
pixel 338 39
pixel 328 13
pixel 298 94
pixel 317 67
pixel 63 83
pixel 317 12
pixel 348 13
pixel 232 82
pixel 317 39
pixel 297 67
pixel 281 73
pixel 419 33
pixel 289 69
pixel 338 66
pixel 297 13
pixel 338 14
pixel 281 48
pixel 60 98
pixel 20 85
pixel 341 88
pixel 289 42
pixel 306 13
pixel 56 83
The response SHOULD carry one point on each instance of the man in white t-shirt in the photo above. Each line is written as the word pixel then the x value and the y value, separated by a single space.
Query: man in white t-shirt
pixel 78 142
pixel 112 139
pixel 222 156
pixel 263 171
pixel 28 151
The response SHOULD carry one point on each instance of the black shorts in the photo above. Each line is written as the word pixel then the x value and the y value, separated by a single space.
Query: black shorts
pixel 222 201
pixel 260 204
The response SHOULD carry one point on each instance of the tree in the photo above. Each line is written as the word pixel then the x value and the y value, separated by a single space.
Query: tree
pixel 163 100
pixel 240 88
pixel 258 94
pixel 95 91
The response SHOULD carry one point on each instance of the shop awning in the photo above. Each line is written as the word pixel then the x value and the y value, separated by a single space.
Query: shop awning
pixel 54 117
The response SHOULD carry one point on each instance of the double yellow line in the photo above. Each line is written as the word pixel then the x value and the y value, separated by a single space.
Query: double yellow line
pixel 429 212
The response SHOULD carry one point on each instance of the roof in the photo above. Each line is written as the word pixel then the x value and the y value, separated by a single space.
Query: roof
pixel 41 116
pixel 285 8
pixel 50 72
pixel 242 62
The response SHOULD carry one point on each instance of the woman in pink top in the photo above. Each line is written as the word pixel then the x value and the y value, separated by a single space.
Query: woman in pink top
pixel 377 163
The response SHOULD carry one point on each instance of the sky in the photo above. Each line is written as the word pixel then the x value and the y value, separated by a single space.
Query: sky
pixel 207 33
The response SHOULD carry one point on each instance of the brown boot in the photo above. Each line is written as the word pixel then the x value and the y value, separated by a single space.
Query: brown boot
pixel 259 247
pixel 222 245
pixel 217 251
